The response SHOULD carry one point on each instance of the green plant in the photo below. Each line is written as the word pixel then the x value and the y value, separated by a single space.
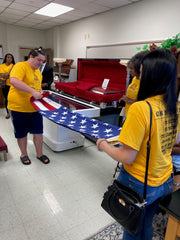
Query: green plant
pixel 172 44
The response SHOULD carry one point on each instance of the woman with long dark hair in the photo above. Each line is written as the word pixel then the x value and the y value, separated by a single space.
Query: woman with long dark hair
pixel 158 87
pixel 5 69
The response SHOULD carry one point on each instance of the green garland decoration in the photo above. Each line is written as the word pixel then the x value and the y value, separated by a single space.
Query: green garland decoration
pixel 172 44
pixel 169 43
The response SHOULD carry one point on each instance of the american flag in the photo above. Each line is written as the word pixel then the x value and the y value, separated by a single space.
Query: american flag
pixel 73 120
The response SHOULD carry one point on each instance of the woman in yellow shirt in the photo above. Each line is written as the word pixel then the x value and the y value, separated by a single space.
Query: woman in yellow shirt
pixel 158 87
pixel 5 69
pixel 133 88
pixel 26 82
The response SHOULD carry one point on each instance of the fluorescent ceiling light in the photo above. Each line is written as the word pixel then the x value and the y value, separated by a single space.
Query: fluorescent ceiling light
pixel 53 10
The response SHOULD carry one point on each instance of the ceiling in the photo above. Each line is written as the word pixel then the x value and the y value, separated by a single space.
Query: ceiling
pixel 21 12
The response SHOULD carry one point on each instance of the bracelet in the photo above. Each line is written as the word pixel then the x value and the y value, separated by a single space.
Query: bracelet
pixel 100 143
pixel 176 184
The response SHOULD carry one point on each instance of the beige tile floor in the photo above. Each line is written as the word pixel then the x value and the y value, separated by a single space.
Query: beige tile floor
pixel 58 201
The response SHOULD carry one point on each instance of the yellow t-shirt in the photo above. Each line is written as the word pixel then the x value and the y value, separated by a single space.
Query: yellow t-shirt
pixel 132 92
pixel 6 69
pixel 135 133
pixel 19 100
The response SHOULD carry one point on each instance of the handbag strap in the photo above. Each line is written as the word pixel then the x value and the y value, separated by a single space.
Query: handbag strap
pixel 116 169
pixel 11 68
pixel 148 152
pixel 147 156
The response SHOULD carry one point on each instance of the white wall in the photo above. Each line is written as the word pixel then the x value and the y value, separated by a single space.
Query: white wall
pixel 3 37
pixel 13 37
pixel 142 21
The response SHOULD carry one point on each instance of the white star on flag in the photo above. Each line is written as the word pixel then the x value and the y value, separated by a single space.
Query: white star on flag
pixel 108 130
pixel 65 113
pixel 83 121
pixel 95 126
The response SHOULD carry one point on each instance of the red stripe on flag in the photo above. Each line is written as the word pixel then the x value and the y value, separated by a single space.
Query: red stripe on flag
pixel 34 105
pixel 47 105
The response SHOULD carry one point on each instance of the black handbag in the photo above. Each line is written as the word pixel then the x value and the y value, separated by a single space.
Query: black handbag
pixel 125 204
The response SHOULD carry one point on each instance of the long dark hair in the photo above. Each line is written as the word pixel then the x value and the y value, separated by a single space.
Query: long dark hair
pixel 159 74
pixel 136 60
pixel 4 60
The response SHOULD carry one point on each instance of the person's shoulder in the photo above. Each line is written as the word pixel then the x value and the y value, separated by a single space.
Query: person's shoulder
pixel 139 104
pixel 48 67
pixel 21 65
pixel 2 65
pixel 139 108
pixel 136 80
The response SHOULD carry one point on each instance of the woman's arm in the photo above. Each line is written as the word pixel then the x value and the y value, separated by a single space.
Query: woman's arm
pixel 124 154
pixel 176 147
pixel 15 82
pixel 126 99
pixel 176 151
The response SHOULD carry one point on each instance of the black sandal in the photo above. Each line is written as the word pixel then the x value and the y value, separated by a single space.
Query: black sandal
pixel 43 159
pixel 25 160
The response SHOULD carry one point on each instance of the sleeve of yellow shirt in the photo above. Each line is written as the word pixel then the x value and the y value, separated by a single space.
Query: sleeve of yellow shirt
pixel 18 71
pixel 133 130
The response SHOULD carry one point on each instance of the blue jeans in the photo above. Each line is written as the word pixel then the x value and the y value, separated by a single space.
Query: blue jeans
pixel 176 162
pixel 153 196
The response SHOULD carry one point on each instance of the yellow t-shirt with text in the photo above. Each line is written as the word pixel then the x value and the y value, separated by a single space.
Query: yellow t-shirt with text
pixel 135 133
pixel 6 69
pixel 19 100
pixel 132 92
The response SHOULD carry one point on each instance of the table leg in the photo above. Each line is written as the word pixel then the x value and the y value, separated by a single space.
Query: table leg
pixel 5 155
pixel 173 229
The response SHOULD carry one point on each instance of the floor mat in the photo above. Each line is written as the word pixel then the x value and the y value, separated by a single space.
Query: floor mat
pixel 114 231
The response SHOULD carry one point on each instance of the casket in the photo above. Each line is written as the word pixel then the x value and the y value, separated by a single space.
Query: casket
pixel 58 137
pixel 90 77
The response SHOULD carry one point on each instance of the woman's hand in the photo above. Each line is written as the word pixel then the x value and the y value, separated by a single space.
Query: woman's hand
pixel 6 75
pixel 37 95
pixel 126 99
pixel 101 143
pixel 44 85
pixel 123 98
